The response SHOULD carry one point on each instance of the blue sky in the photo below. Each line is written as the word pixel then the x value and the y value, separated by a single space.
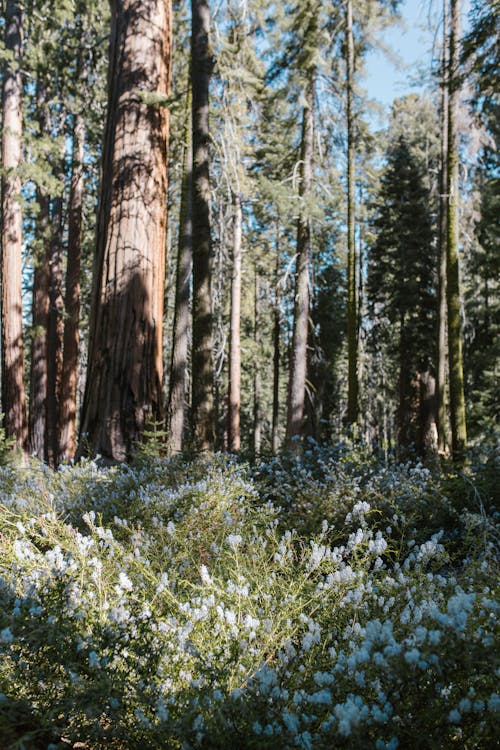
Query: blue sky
pixel 413 44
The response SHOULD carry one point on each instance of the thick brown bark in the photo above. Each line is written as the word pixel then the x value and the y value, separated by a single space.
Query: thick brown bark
pixel 298 354
pixel 55 332
pixel 234 395
pixel 202 366
pixel 457 400
pixel 276 346
pixel 69 382
pixel 124 376
pixel 180 337
pixel 13 390
pixel 352 322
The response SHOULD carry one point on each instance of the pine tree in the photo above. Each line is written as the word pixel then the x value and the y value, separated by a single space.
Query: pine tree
pixel 202 408
pixel 402 269
pixel 457 400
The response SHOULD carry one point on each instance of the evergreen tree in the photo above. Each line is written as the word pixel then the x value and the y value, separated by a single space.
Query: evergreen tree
pixel 402 266
pixel 124 378
pixel 13 386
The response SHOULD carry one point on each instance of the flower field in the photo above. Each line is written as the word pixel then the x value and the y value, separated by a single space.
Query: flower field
pixel 331 602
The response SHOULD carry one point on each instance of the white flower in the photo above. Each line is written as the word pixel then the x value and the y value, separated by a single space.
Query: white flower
pixel 234 540
pixel 124 582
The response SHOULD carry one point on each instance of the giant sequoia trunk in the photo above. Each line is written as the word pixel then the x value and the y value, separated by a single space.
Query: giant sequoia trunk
pixel 124 376
pixel 72 298
pixel 457 400
pixel 180 337
pixel 298 354
pixel 13 392
pixel 203 377
pixel 234 396
pixel 352 322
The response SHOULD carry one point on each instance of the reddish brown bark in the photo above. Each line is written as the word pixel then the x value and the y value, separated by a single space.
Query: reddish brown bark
pixel 124 376
pixel 13 390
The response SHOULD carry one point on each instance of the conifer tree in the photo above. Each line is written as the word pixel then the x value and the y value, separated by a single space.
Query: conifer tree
pixel 13 386
pixel 457 400
pixel 124 376
pixel 202 408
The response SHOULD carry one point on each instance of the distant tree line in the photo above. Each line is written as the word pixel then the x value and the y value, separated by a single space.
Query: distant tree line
pixel 203 236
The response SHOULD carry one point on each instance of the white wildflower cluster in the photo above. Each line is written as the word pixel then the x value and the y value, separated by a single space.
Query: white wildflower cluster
pixel 179 605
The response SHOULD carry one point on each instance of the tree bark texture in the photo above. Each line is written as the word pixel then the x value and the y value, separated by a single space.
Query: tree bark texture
pixel 40 309
pixel 180 337
pixel 352 322
pixel 234 396
pixel 276 346
pixel 69 383
pixel 202 365
pixel 13 390
pixel 124 376
pixel 457 400
pixel 55 332
pixel 257 395
pixel 298 354
pixel 442 313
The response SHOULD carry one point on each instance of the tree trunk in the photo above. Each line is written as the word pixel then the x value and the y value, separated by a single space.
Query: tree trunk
pixel 124 375
pixel 257 410
pixel 203 376
pixel 40 309
pixel 298 355
pixel 55 332
pixel 443 205
pixel 72 298
pixel 427 435
pixel 457 401
pixel 234 398
pixel 13 390
pixel 352 322
pixel 180 335
pixel 276 346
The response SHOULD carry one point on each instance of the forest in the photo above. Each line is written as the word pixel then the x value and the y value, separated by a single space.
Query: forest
pixel 249 377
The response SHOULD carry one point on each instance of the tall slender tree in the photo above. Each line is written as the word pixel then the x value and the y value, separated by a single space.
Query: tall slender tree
pixel 124 375
pixel 203 377
pixel 69 380
pixel 40 305
pixel 298 354
pixel 443 205
pixel 352 321
pixel 13 389
pixel 457 400
pixel 234 395
pixel 176 408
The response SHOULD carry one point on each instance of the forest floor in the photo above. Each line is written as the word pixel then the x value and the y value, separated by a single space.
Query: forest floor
pixel 331 601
